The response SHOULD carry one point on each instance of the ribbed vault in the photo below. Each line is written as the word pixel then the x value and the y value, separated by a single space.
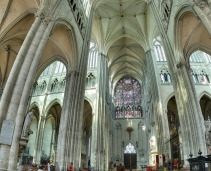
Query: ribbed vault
pixel 124 34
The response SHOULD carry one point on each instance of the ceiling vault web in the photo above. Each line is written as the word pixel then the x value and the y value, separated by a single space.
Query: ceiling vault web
pixel 123 30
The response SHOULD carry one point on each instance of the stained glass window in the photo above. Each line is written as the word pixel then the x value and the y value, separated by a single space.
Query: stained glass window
pixel 128 98
pixel 130 149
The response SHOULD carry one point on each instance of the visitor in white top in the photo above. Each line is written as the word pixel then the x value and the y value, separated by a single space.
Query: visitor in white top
pixel 49 166
pixel 40 168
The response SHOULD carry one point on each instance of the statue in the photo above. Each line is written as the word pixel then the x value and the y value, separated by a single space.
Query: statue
pixel 152 142
pixel 27 123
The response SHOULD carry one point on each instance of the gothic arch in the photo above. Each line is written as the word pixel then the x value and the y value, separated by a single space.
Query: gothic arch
pixel 192 40
pixel 35 105
pixel 118 125
pixel 16 20
pixel 72 38
pixel 140 124
pixel 198 46
pixel 47 63
pixel 51 104
pixel 205 104
pixel 90 102
pixel 168 98
pixel 184 9
pixel 204 93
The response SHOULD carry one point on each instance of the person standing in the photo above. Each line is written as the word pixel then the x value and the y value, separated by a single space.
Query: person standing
pixel 49 166
pixel 70 167
pixel 40 168
pixel 111 165
pixel 169 166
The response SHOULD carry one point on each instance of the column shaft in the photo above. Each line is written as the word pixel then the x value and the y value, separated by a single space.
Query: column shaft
pixel 6 96
pixel 190 116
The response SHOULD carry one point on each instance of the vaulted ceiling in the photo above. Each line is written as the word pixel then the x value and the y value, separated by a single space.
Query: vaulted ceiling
pixel 123 33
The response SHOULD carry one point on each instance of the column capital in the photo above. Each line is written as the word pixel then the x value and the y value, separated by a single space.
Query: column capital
pixel 39 14
pixel 103 55
pixel 73 72
pixel 42 117
pixel 46 20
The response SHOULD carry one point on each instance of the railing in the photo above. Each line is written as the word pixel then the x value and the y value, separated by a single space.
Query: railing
pixel 200 163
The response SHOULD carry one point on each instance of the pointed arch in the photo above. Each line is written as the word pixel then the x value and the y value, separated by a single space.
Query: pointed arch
pixel 204 93
pixel 73 63
pixel 52 103
pixel 168 98
pixel 90 101
pixel 50 61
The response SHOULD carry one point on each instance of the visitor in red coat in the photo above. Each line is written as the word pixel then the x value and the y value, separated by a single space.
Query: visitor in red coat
pixel 70 167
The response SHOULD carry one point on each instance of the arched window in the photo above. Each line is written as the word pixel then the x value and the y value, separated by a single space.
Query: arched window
pixel 43 87
pixel 90 80
pixel 208 57
pixel 63 84
pixel 40 88
pixel 165 76
pixel 128 98
pixel 54 86
pixel 159 51
pixel 59 67
pixel 130 149
pixel 138 112
pixel 196 57
pixel 47 71
pixel 52 79
pixel 203 77
pixel 195 77
pixel 93 56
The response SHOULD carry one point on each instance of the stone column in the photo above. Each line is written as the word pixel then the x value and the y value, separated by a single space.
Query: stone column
pixel 6 96
pixel 153 96
pixel 88 139
pixel 46 28
pixel 39 140
pixel 70 130
pixel 190 116
pixel 142 145
pixel 66 129
pixel 94 141
pixel 22 89
pixel 98 160
pixel 40 133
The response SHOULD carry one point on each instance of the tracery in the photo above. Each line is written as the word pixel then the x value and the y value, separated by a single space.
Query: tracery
pixel 130 149
pixel 128 98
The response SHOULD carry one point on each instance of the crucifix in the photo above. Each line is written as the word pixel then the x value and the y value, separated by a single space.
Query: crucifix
pixel 129 130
